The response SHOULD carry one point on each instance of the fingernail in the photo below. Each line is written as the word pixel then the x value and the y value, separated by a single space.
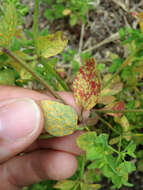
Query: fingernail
pixel 19 118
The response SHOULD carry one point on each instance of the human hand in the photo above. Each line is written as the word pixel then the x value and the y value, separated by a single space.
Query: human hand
pixel 21 122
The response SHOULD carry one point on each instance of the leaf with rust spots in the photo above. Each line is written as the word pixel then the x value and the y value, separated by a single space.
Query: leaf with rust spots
pixel 87 86
pixel 117 106
pixel 60 119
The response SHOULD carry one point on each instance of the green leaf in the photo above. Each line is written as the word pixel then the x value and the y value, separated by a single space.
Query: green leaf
pixel 115 65
pixel 96 152
pixel 131 149
pixel 86 140
pixel 65 184
pixel 7 77
pixel 51 44
pixel 8 25
pixel 73 20
pixel 98 163
pixel 126 167
pixel 60 119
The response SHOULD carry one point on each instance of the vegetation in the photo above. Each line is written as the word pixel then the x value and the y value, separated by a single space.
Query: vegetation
pixel 112 93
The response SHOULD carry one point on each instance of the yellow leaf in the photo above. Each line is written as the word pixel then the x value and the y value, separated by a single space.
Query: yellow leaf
pixel 60 119
pixel 66 12
pixel 52 44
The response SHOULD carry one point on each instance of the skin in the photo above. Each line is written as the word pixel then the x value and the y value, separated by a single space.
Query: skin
pixel 42 159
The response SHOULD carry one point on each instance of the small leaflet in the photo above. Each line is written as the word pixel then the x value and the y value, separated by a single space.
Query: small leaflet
pixel 52 44
pixel 87 86
pixel 65 184
pixel 60 119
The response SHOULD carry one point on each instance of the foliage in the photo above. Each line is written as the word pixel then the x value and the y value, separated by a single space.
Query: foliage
pixel 114 99
pixel 75 9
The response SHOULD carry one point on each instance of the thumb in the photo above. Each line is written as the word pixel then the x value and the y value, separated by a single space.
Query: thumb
pixel 21 123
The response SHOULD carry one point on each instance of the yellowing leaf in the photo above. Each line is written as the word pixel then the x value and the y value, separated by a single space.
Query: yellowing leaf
pixel 123 121
pixel 8 25
pixel 52 44
pixel 86 140
pixel 66 12
pixel 86 86
pixel 117 106
pixel 113 89
pixel 60 119
pixel 85 186
pixel 65 184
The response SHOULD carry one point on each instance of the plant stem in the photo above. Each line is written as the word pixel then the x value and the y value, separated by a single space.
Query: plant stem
pixel 54 73
pixel 139 84
pixel 35 25
pixel 128 60
pixel 108 124
pixel 82 166
pixel 118 111
pixel 118 71
pixel 34 73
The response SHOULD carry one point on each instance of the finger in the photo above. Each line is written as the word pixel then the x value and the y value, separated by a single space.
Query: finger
pixel 8 92
pixel 21 122
pixel 67 143
pixel 37 166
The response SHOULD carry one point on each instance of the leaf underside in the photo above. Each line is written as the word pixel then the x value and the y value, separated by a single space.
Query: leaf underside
pixel 60 119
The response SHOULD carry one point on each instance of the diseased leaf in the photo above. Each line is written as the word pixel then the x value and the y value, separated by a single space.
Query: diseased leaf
pixel 86 140
pixel 85 186
pixel 52 44
pixel 8 25
pixel 114 87
pixel 65 185
pixel 86 86
pixel 60 119
pixel 117 106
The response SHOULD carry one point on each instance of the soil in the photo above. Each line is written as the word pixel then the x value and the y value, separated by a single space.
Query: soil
pixel 102 26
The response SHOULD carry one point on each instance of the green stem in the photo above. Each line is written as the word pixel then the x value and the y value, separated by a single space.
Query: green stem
pixel 35 25
pixel 34 73
pixel 139 84
pixel 54 73
pixel 128 60
pixel 82 166
pixel 118 111
pixel 108 124
pixel 45 136
pixel 118 71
